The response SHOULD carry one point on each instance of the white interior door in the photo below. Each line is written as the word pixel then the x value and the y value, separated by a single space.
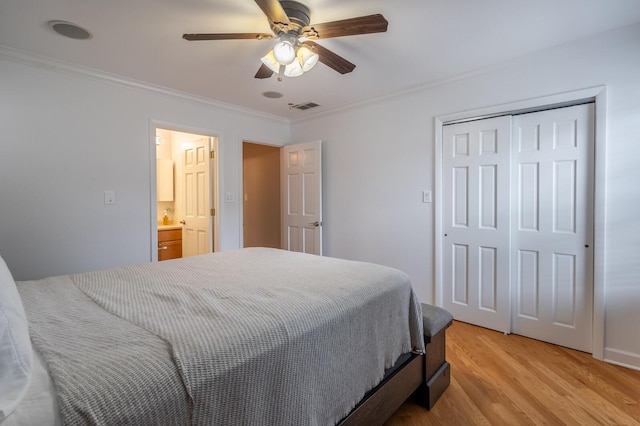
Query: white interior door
pixel 302 197
pixel 196 161
pixel 553 225
pixel 475 212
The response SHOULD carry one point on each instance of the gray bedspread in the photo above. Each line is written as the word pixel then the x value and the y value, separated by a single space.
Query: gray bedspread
pixel 248 337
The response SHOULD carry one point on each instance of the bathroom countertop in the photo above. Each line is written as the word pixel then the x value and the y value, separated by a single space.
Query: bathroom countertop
pixel 162 227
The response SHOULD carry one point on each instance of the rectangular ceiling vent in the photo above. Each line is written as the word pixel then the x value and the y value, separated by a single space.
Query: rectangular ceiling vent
pixel 304 107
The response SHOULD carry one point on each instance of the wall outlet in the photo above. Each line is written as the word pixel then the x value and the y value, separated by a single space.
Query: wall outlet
pixel 229 197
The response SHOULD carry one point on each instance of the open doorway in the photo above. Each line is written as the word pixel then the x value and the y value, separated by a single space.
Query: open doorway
pixel 261 195
pixel 187 194
pixel 282 196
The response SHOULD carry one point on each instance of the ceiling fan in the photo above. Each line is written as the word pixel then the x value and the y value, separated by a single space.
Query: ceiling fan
pixel 295 52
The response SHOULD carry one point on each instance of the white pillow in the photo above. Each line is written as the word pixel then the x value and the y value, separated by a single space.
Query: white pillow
pixel 16 357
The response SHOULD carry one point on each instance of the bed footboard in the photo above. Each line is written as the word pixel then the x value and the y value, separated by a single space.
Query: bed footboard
pixel 424 376
pixel 385 399
pixel 437 371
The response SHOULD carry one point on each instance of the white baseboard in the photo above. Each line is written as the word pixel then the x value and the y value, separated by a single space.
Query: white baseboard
pixel 622 358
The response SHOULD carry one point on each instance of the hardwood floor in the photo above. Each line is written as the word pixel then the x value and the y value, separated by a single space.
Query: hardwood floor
pixel 513 380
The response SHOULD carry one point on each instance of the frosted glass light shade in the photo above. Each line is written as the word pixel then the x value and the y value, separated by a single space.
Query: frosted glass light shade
pixel 270 61
pixel 294 69
pixel 307 58
pixel 284 52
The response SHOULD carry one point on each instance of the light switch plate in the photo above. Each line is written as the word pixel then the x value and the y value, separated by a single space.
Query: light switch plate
pixel 109 197
pixel 426 196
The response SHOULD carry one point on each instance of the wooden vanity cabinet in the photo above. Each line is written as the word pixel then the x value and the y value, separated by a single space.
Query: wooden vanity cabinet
pixel 169 244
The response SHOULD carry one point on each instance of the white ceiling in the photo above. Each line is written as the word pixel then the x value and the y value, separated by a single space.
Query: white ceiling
pixel 427 41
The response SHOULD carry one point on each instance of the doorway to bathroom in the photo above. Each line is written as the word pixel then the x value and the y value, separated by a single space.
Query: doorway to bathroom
pixel 186 193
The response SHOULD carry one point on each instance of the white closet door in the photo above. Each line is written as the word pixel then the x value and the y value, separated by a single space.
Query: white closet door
pixel 552 253
pixel 475 212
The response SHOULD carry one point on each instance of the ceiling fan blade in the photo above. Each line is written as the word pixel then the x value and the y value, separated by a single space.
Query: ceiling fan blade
pixel 264 72
pixel 347 27
pixel 274 11
pixel 330 59
pixel 231 36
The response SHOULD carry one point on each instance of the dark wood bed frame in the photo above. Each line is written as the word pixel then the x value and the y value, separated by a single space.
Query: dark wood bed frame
pixel 425 377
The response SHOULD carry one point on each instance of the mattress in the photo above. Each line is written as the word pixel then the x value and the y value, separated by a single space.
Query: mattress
pixel 39 406
pixel 276 334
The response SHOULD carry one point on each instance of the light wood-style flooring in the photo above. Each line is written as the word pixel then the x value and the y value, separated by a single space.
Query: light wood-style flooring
pixel 512 380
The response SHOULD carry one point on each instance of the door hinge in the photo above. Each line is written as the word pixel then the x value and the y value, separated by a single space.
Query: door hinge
pixel 212 154
pixel 213 212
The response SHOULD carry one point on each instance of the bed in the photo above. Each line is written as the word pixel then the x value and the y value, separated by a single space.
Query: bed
pixel 249 337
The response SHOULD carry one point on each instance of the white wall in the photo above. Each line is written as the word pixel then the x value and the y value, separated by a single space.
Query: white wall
pixel 379 157
pixel 66 137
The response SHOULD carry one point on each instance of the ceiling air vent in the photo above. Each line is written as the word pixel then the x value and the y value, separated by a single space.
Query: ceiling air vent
pixel 304 107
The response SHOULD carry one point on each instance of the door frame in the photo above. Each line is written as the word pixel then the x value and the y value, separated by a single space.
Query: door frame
pixel 596 94
pixel 214 176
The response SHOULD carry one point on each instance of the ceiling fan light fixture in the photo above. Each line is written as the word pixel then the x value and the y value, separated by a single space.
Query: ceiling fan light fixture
pixel 290 25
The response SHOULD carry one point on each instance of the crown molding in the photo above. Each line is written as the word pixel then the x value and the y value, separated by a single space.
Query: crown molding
pixel 39 61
